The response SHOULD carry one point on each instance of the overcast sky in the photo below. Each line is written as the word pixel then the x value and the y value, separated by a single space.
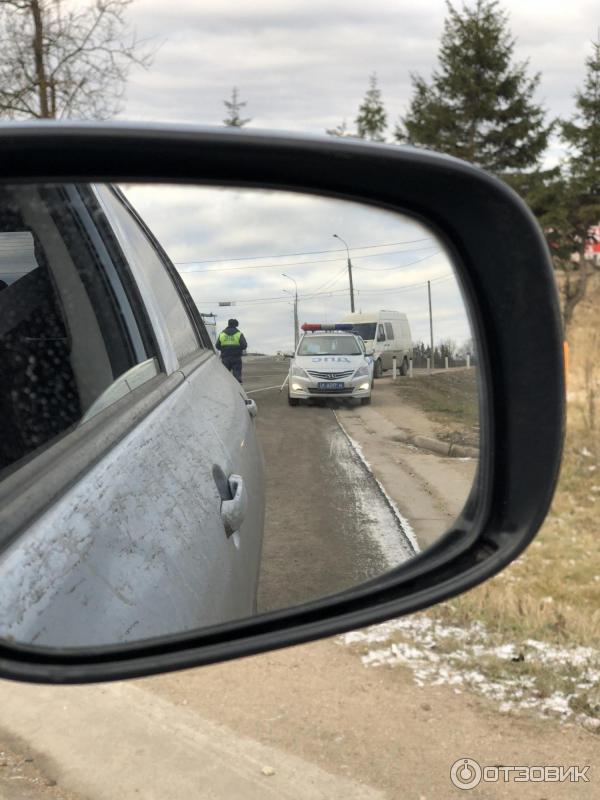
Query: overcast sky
pixel 233 246
pixel 305 67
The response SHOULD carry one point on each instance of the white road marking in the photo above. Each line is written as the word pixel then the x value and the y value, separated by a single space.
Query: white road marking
pixel 264 389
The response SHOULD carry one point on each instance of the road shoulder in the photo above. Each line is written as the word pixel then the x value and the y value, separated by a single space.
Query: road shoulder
pixel 429 490
pixel 124 740
pixel 374 726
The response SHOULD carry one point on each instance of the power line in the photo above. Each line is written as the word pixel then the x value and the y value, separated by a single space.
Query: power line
pixel 337 292
pixel 438 279
pixel 402 266
pixel 332 281
pixel 302 253
pixel 314 262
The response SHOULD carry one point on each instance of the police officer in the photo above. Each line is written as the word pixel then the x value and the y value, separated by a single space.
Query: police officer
pixel 231 343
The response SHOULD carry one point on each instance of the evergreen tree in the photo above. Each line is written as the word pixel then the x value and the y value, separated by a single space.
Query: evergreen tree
pixel 371 121
pixel 234 107
pixel 566 199
pixel 479 105
pixel 341 131
pixel 581 200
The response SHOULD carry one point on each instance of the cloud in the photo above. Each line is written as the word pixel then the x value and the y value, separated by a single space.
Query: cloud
pixel 233 245
pixel 305 66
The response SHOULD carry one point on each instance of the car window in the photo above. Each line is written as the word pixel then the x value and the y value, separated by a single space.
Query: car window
pixel 140 251
pixel 68 332
pixel 380 334
pixel 389 331
pixel 329 346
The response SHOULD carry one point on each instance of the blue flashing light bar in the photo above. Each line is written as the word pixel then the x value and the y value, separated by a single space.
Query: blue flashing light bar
pixel 327 326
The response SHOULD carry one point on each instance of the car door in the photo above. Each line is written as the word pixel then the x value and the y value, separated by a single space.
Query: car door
pixel 140 469
pixel 215 420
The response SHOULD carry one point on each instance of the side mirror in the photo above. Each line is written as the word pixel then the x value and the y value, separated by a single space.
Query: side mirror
pixel 134 541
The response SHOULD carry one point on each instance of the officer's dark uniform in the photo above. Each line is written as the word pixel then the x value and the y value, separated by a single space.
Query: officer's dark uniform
pixel 231 342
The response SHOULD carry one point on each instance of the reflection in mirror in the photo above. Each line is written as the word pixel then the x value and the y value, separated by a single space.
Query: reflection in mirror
pixel 218 402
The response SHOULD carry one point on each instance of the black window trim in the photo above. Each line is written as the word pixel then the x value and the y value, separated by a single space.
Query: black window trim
pixel 124 273
pixel 190 306
pixel 84 211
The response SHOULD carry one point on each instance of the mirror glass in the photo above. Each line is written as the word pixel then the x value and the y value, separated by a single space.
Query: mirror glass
pixel 217 402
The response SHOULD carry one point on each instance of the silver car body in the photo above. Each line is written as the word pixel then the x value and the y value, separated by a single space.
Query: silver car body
pixel 324 366
pixel 163 532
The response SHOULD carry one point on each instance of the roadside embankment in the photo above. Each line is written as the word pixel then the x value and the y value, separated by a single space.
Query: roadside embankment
pixel 429 479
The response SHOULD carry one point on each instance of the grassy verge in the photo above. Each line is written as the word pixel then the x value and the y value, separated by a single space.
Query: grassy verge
pixel 449 399
pixel 552 591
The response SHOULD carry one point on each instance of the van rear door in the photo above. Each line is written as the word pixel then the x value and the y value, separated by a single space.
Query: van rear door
pixel 382 346
pixel 391 345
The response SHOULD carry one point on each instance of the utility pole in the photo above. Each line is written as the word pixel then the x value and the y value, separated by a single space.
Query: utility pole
pixel 430 324
pixel 335 236
pixel 296 329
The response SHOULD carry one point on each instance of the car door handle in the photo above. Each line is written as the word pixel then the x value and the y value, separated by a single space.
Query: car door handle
pixel 233 512
pixel 252 407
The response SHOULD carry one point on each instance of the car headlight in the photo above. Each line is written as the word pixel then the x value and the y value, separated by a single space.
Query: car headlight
pixel 298 372
pixel 362 372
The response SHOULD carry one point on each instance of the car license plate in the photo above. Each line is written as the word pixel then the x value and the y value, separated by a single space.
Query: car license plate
pixel 331 386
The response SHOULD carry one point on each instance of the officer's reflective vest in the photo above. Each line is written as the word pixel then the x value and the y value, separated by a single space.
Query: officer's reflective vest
pixel 226 340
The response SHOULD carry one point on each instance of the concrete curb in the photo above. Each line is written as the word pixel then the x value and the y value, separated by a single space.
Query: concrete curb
pixel 437 446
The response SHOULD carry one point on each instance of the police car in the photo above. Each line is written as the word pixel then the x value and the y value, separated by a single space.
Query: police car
pixel 330 361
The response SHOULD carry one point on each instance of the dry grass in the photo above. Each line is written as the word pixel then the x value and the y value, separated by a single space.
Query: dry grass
pixel 449 399
pixel 552 592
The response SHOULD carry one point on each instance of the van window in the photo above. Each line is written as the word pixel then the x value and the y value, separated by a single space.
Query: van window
pixel 389 331
pixel 380 334
pixel 366 330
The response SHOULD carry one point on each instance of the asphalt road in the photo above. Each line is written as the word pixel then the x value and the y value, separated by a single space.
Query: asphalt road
pixel 328 525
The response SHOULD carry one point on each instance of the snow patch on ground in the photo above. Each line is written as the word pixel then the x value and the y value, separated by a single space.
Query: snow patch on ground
pixel 449 655
pixel 402 521
pixel 379 521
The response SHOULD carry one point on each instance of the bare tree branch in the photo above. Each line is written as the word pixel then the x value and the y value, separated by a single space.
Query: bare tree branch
pixel 61 62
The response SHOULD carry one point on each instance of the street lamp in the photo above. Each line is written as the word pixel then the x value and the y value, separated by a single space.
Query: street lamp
pixel 283 275
pixel 335 236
